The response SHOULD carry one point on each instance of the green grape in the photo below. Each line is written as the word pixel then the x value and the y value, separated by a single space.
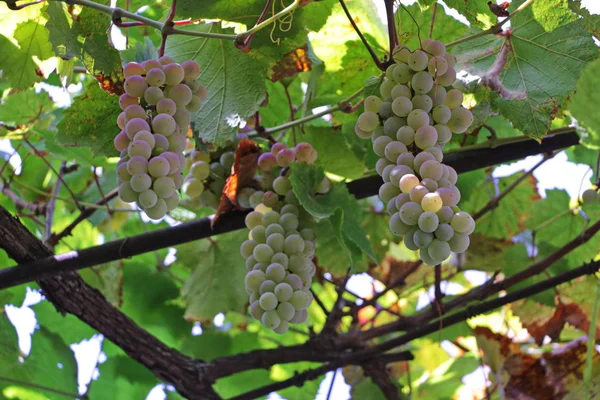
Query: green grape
pixel 191 69
pixel 258 233
pixel 448 78
pixel 250 263
pixel 285 157
pixel 401 106
pixel 200 170
pixel 406 135
pixel 400 54
pixel 460 120
pixel 145 136
pixel 379 145
pixel 158 211
pixel 149 64
pixel 391 126
pixel 445 214
pixel 177 143
pixel 163 124
pixel 398 227
pixel 381 164
pixel 401 199
pixel 386 173
pixel 133 68
pixel 282 328
pixel 135 86
pixel 422 82
pixel 293 244
pixel 428 221
pixel 181 94
pixel 368 121
pixel 393 150
pixel 401 91
pixel 290 209
pixel 430 184
pixel 452 175
pixel 285 310
pixel 140 182
pixel 438 94
pixel 385 109
pixel 426 136
pixel 362 134
pixel 280 258
pixel 431 202
pixel 126 100
pixel 182 117
pixel 417 118
pixel 589 196
pixel 462 222
pixel 421 158
pixel 308 234
pixel 262 252
pixel 422 239
pixel 439 250
pixel 166 106
pixel 126 192
pixel 193 187
pixel 195 104
pixel 289 222
pixel 139 148
pixel 267 286
pixel 386 88
pixel 397 172
pixel 388 72
pixel 459 243
pixel 247 248
pixel 137 165
pixel 161 144
pixel 281 185
pixel 135 125
pixel 309 249
pixel 270 319
pixel 275 241
pixel 256 311
pixel 276 273
pixel 431 169
pixel 209 199
pixel 407 182
pixel 121 141
pixel 174 74
pixel 122 173
pixel 417 193
pixel 447 196
pixel 435 47
pixel 299 263
pixel 387 191
pixel 300 317
pixel 454 99
pixel 444 134
pixel 426 258
pixel 299 300
pixel 441 114
pixel 165 60
pixel 410 212
pixel 401 74
pixel 283 291
pixel 178 179
pixel 417 61
pixel 174 162
pixel 437 66
pixel 135 111
pixel 450 60
pixel 444 232
pixel 422 102
pixel 155 77
pixel 409 240
pixel 294 281
pixel 121 120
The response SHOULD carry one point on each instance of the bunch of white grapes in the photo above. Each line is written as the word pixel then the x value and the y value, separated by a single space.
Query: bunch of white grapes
pixel 159 96
pixel 409 125
pixel 206 178
pixel 590 196
pixel 281 242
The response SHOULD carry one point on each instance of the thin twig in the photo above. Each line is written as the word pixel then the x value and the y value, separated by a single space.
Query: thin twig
pixel 52 204
pixel 40 387
pixel 320 303
pixel 435 5
pixel 392 34
pixel 35 208
pixel 376 59
pixel 108 210
pixel 167 25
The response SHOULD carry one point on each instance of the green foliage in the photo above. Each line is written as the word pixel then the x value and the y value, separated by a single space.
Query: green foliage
pixel 582 104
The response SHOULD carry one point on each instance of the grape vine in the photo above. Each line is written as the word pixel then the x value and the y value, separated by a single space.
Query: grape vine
pixel 409 126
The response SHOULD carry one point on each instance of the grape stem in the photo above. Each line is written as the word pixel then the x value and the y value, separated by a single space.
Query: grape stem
pixel 168 24
pixel 435 5
pixel 492 30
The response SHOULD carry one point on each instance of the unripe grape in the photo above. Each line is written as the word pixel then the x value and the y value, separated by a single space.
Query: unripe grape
pixel 182 117
pixel 431 202
pixel 422 102
pixel 391 126
pixel 147 199
pixel 398 227
pixel 137 165
pixel 448 78
pixel 300 317
pixel 454 99
pixel 441 114
pixel 393 149
pixel 285 157
pixel 422 82
pixel 194 105
pixel 140 182
pixel 417 193
pixel 406 135
pixel 444 232
pixel 400 54
pixel 386 88
pixel 270 319
pixel 126 192
pixel 263 253
pixel 368 121
pixel 460 120
pixel 166 106
pixel 372 103
pixel 362 134
pixel 379 145
pixel 305 152
pixel 174 162
pixel 426 136
pixel 438 95
pixel 439 250
pixel 176 143
pixel 444 134
pixel 387 191
pixel 428 222
pixel 193 187
pixel 459 243
pixel 431 169
pixel 401 106
pixel 417 61
pixel 462 222
pixel 135 111
pixel 397 172
pixel 164 186
pixel 286 311
pixel 253 219
pixel 417 118
pixel 437 66
pixel 401 74
pixel 158 211
pixel 256 311
pixel 421 158
pixel 275 241
pixel 126 100
pixel 422 239
pixel 122 173
pixel 410 212
pixel 178 179
pixel 299 300
pixel 145 136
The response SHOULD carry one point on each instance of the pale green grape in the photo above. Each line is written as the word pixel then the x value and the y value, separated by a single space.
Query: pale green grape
pixel 258 233
pixel 385 109
pixel 435 48
pixel 448 78
pixel 410 212
pixel 191 69
pixel 445 214
pixel 401 91
pixel 426 136
pixel 247 248
pixel 268 286
pixel 431 202
pixel 299 300
pixel 174 162
pixel 289 222
pixel 273 229
pixel 417 193
pixel 145 136
pixel 126 100
pixel 407 182
pixel 437 94
pixel 165 60
pixel 409 240
pixel 379 145
pixel 283 291
pixel 174 74
pixel 135 111
pixel 149 64
pixel 140 182
pixel 276 241
pixel 450 60
pixel 381 164
pixel 393 150
pixel 121 141
pixel 406 135
pixel 270 217
pixel 280 258
pixel 139 148
pixel 460 120
pixel 454 99
pixel 270 319
pixel 263 253
pixel 447 196
pixel 397 172
pixel 135 86
pixel 178 179
pixel 387 191
pixel 437 153
pixel 281 185
pixel 422 102
pixel 401 74
pixel 452 175
pixel 422 239
pixel 256 311
pixel 386 173
pixel 166 106
pixel 400 54
pixel 195 104
pixel 459 243
pixel 388 72
pixel 158 211
pixel 299 263
pixel 430 184
pixel 135 125
pixel 398 227
pixel 122 173
pixel 155 77
pixel 386 88
pixel 193 187
pixel 285 310
pixel 428 221
pixel 161 144
pixel 126 192
pixel 181 94
pixel 362 134
pixel 182 117
pixel 163 124
pixel 294 281
pixel 200 170
pixel 437 66
pixel 401 199
pixel 439 250
pixel 209 199
pixel 406 159
pixel 422 82
pixel 426 258
pixel 417 61
pixel 431 169
pixel 137 165
pixel 462 222
pixel 444 134
pixel 417 118
pixel 177 143
pixel 290 209
pixel 276 273
pixel 391 126
pixel 133 68
pixel 401 106
pixel 293 244
pixel 372 104
pixel 441 114
pixel 444 232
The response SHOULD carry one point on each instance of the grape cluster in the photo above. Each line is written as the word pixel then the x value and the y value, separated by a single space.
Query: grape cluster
pixel 590 196
pixel 409 125
pixel 206 177
pixel 281 242
pixel 159 96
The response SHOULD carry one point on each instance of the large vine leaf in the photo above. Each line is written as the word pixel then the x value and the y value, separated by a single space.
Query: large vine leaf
pixel 446 28
pixel 91 121
pixel 217 282
pixel 529 71
pixel 476 12
pixel 235 82
pixel 25 108
pixel 584 104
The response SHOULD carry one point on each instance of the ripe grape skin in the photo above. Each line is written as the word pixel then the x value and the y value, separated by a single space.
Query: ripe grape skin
pixel 135 86
pixel 406 135
pixel 191 69
pixel 121 141
pixel 133 68
pixel 431 169
pixel 135 125
pixel 417 193
pixel 407 182
pixel 431 202
pixel 181 94
pixel 397 172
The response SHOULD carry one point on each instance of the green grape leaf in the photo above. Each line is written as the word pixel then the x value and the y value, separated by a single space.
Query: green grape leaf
pixel 334 151
pixel 123 378
pixel 235 82
pixel 338 205
pixel 25 108
pixel 50 364
pixel 583 104
pixel 552 13
pixel 86 39
pixel 445 380
pixel 217 282
pixel 91 121
pixel 591 21
pixel 529 72
pixel 476 12
pixel 445 29
pixel 67 327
